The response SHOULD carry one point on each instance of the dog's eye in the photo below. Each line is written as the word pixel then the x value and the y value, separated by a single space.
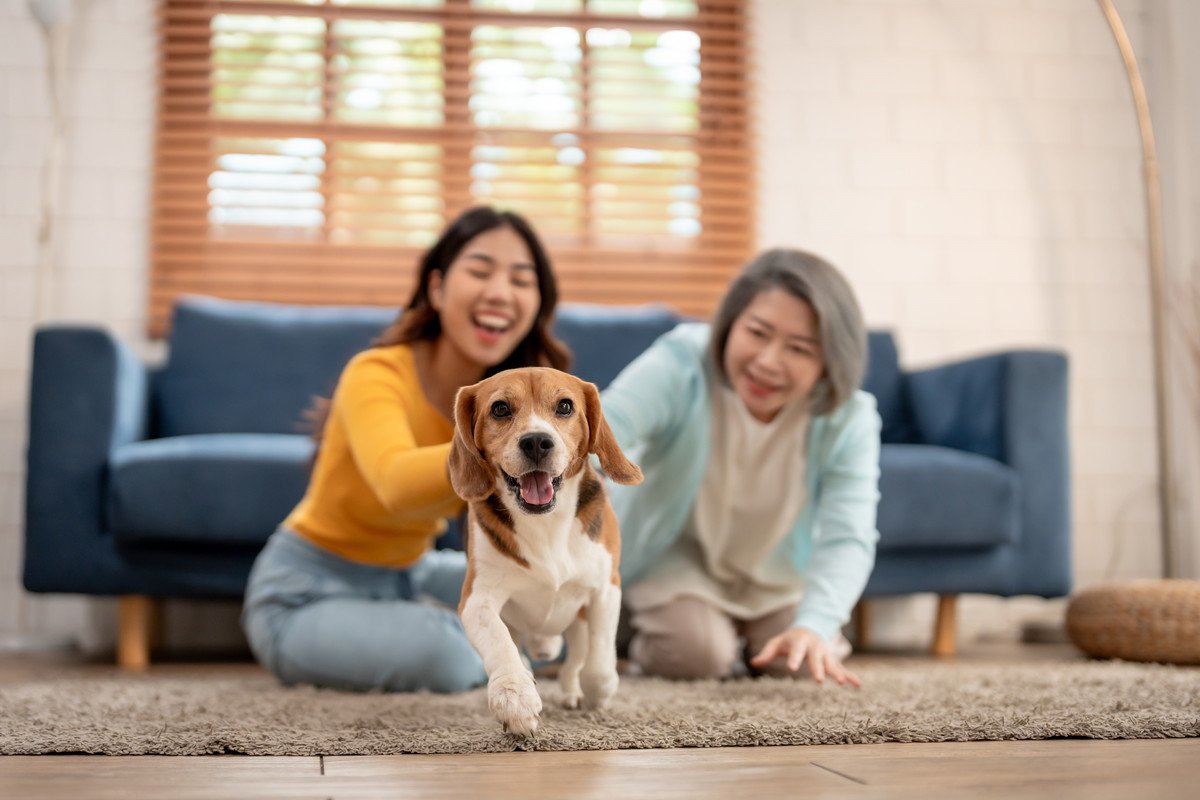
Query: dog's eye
pixel 565 408
pixel 500 410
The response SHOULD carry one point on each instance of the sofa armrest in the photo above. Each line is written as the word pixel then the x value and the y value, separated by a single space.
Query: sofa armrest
pixel 88 395
pixel 1012 407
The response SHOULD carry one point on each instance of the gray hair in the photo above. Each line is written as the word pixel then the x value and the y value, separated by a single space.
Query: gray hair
pixel 839 319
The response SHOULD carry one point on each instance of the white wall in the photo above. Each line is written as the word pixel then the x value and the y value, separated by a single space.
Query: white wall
pixel 102 236
pixel 1175 97
pixel 973 166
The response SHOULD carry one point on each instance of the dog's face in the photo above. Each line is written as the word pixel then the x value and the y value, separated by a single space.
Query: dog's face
pixel 525 430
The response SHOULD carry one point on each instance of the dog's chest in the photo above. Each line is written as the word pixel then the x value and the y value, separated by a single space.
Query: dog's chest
pixel 565 569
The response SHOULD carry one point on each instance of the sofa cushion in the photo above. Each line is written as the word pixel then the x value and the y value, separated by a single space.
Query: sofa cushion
pixel 604 339
pixel 886 381
pixel 227 489
pixel 934 497
pixel 964 405
pixel 239 367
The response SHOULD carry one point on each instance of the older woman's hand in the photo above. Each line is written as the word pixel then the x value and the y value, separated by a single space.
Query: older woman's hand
pixel 798 644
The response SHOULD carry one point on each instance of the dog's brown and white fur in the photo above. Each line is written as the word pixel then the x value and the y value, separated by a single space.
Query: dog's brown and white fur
pixel 542 543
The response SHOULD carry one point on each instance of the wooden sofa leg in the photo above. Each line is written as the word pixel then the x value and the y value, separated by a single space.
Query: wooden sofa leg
pixel 862 624
pixel 158 627
pixel 136 615
pixel 944 628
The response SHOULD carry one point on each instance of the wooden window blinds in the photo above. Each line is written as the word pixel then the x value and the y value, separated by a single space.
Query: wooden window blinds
pixel 309 150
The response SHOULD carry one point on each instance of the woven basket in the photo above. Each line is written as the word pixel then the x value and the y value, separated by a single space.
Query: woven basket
pixel 1153 620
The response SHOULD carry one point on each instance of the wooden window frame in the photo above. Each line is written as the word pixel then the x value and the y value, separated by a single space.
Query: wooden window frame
pixel 689 275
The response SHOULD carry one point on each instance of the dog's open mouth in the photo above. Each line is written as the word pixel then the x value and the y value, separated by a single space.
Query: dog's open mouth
pixel 536 491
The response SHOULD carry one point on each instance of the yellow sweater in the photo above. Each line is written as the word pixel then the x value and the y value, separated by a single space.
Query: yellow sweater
pixel 379 492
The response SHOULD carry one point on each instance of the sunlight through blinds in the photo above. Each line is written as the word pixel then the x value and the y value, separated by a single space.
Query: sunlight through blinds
pixel 308 150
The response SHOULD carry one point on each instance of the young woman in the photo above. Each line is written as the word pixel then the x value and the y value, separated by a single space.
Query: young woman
pixel 347 592
pixel 756 519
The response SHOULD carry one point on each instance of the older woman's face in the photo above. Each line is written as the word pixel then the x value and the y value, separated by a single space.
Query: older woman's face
pixel 773 355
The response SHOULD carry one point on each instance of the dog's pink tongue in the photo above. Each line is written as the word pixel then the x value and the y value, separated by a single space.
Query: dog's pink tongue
pixel 536 489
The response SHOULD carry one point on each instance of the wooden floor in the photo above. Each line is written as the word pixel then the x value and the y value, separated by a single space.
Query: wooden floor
pixel 1058 769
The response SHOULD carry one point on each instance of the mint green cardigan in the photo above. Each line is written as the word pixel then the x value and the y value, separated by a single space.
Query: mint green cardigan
pixel 658 408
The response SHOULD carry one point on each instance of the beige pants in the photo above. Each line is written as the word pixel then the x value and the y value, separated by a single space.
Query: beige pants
pixel 689 639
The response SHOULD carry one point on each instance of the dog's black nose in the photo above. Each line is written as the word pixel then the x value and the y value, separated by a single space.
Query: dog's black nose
pixel 535 445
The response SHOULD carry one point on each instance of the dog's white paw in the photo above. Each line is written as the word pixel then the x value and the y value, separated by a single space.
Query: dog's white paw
pixel 599 687
pixel 572 700
pixel 514 700
pixel 544 648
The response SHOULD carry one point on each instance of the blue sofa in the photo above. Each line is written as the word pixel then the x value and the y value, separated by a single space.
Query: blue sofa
pixel 165 482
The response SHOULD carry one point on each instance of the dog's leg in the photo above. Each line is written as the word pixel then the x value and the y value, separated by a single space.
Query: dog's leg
pixel 544 648
pixel 599 676
pixel 568 674
pixel 512 693
pixel 521 647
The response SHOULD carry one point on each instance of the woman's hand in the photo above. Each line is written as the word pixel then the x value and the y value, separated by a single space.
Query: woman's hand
pixel 797 644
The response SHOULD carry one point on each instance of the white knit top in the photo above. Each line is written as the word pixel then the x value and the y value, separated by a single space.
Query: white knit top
pixel 752 492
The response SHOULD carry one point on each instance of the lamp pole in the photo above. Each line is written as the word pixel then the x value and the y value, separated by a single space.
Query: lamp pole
pixel 1158 283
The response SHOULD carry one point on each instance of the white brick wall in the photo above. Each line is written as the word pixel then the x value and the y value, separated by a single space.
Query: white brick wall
pixel 1177 126
pixel 989 196
pixel 973 166
pixel 102 230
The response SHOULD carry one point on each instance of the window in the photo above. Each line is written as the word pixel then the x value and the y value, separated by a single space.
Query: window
pixel 309 150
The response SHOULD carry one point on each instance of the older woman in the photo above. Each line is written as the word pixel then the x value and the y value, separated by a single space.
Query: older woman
pixel 757 516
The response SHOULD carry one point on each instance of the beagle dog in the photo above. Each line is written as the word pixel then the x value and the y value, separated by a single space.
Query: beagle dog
pixel 542 540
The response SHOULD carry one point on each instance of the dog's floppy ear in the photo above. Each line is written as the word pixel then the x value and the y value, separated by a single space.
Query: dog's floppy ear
pixel 602 442
pixel 471 477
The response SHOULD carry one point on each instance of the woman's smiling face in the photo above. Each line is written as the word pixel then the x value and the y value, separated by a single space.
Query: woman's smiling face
pixel 488 297
pixel 773 354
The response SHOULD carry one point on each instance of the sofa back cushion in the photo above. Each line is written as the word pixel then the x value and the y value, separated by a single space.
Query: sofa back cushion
pixel 886 381
pixel 246 367
pixel 604 339
pixel 239 367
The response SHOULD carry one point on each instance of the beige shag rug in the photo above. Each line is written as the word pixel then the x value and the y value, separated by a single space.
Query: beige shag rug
pixel 918 702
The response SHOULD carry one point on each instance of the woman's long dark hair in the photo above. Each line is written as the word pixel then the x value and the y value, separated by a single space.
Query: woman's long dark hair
pixel 419 321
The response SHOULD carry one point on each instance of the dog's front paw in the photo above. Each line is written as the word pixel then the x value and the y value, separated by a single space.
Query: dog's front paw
pixel 599 687
pixel 572 700
pixel 514 699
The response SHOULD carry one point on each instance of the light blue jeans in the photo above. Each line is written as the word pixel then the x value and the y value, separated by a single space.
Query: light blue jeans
pixel 314 617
